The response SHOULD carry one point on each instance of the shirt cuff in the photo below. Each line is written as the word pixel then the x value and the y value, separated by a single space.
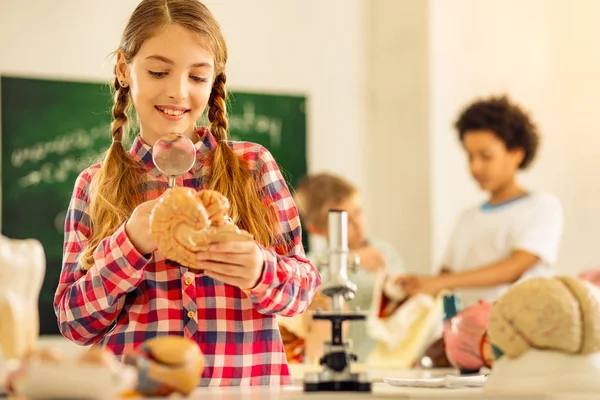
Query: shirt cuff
pixel 119 255
pixel 263 285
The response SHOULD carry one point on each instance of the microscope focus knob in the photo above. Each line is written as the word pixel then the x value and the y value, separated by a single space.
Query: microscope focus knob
pixel 353 263
pixel 337 361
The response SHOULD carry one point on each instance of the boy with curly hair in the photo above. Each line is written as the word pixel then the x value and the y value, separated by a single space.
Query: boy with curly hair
pixel 516 233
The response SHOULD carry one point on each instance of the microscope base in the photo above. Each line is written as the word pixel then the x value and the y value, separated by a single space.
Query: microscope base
pixel 338 386
pixel 328 381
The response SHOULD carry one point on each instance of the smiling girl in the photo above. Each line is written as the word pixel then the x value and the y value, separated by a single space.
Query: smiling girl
pixel 115 288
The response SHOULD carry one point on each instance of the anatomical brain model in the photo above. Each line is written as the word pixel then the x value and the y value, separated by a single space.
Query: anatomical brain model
pixel 548 330
pixel 186 221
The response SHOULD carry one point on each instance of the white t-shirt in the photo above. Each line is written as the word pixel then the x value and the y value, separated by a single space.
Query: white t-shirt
pixel 488 234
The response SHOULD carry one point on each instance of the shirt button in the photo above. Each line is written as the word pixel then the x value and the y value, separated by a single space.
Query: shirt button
pixel 188 281
pixel 191 314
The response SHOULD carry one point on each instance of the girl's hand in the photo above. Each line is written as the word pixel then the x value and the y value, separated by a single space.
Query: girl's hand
pixel 235 263
pixel 138 227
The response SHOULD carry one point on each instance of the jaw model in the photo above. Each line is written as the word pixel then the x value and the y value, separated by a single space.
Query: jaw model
pixel 548 330
pixel 22 269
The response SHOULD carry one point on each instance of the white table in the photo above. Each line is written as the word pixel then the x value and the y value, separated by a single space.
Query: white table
pixel 380 390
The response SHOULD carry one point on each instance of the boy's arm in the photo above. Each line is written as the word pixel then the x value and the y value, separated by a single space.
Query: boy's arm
pixel 507 270
pixel 536 238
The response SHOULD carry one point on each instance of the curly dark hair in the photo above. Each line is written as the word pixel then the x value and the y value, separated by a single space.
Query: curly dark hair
pixel 506 120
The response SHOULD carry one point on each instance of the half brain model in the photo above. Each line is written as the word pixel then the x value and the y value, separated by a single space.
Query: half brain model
pixel 186 221
pixel 559 314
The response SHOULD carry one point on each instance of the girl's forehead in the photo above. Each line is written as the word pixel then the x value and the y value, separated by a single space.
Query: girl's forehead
pixel 177 45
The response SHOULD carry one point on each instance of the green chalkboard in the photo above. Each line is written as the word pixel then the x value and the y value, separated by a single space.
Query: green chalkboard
pixel 52 129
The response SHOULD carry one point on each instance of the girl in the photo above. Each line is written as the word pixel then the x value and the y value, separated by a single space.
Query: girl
pixel 115 289
pixel 516 233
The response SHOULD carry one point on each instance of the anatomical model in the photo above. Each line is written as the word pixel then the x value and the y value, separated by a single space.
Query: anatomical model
pixel 186 221
pixel 465 338
pixel 22 269
pixel 47 374
pixel 548 332
pixel 167 364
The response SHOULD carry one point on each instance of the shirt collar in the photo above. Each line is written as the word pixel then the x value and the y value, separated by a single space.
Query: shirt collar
pixel 142 152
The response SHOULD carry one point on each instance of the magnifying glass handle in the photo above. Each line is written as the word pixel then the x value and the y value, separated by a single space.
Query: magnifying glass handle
pixel 172 181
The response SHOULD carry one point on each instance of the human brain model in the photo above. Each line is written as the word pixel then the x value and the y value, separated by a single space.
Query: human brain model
pixel 185 222
pixel 548 330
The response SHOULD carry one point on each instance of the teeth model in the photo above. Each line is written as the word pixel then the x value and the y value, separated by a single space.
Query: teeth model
pixel 22 269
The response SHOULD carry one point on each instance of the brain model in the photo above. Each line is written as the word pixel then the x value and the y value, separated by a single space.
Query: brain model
pixel 548 330
pixel 544 313
pixel 186 221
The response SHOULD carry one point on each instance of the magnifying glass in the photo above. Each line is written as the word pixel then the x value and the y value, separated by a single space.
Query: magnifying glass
pixel 174 155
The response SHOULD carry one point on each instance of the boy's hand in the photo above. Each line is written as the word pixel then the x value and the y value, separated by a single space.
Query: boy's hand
pixel 415 284
pixel 370 259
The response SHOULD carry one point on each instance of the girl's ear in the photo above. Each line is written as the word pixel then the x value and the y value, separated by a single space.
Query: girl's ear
pixel 122 68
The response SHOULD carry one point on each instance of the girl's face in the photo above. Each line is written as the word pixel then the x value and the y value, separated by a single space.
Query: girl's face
pixel 492 165
pixel 170 80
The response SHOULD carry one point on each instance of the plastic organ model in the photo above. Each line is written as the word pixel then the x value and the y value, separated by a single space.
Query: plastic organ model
pixel 186 221
pixel 167 364
pixel 46 374
pixel 465 338
pixel 548 330
pixel 22 269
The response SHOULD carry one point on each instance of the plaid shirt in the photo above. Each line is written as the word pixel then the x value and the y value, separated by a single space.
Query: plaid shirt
pixel 125 298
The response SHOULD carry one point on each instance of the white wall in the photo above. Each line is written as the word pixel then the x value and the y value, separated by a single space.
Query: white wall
pixel 545 54
pixel 310 47
pixel 398 191
pixel 385 80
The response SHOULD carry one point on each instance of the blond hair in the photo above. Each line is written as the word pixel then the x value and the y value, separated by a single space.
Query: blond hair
pixel 317 193
pixel 117 186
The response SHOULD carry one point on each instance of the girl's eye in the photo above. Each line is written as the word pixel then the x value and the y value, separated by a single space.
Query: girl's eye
pixel 198 78
pixel 157 74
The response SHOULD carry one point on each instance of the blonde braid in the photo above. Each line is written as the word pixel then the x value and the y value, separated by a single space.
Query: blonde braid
pixel 232 177
pixel 114 192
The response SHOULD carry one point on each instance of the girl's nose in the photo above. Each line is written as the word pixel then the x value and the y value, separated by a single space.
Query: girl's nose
pixel 178 89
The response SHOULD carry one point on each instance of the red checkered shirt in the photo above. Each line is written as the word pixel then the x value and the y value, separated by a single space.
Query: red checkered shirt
pixel 126 298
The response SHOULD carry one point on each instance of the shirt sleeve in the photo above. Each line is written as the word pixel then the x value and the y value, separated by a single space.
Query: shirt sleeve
pixel 540 230
pixel 289 281
pixel 87 303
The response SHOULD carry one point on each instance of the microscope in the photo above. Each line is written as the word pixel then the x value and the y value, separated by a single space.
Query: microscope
pixel 337 356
